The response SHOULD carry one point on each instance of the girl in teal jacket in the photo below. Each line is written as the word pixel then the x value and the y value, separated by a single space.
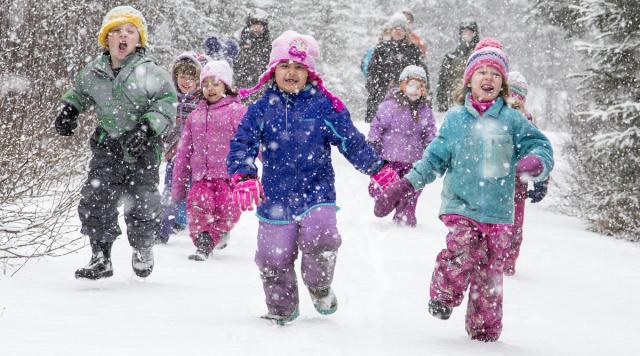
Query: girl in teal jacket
pixel 480 147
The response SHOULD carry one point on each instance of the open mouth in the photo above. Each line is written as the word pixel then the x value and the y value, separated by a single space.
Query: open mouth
pixel 487 88
pixel 123 46
pixel 291 81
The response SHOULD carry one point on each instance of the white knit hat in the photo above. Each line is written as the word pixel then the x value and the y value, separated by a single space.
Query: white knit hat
pixel 413 71
pixel 221 70
pixel 398 20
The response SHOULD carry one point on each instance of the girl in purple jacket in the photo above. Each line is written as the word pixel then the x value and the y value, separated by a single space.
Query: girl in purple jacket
pixel 401 130
pixel 201 155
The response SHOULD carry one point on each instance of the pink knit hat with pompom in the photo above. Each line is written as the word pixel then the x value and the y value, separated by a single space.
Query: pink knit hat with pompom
pixel 303 49
pixel 487 52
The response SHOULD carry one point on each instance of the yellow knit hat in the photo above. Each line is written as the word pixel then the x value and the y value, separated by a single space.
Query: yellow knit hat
pixel 118 16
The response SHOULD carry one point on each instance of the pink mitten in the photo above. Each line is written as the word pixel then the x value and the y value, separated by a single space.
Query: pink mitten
pixel 246 191
pixel 382 179
pixel 529 166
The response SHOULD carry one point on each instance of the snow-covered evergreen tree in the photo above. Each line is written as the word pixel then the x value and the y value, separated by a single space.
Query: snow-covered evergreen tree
pixel 605 125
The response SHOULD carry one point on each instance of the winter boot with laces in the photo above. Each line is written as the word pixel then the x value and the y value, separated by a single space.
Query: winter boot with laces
pixel 203 247
pixel 324 300
pixel 100 264
pixel 439 310
pixel 142 261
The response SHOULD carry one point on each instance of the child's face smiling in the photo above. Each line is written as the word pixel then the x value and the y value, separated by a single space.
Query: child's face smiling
pixel 486 83
pixel 291 77
pixel 122 41
pixel 186 83
pixel 213 89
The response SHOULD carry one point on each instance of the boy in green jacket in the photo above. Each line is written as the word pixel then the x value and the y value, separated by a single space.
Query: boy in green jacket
pixel 135 103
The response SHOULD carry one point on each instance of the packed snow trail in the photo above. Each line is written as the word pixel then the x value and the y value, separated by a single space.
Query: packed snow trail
pixel 574 293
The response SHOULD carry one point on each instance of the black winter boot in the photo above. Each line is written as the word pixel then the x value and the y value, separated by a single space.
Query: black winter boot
pixel 142 261
pixel 100 264
pixel 204 245
pixel 439 310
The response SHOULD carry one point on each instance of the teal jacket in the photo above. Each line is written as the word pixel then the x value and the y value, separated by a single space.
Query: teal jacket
pixel 477 155
pixel 140 91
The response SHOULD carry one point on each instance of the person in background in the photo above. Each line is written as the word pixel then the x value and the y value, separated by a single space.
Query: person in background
pixel 519 89
pixel 401 130
pixel 185 74
pixel 481 147
pixel 388 60
pixel 200 161
pixel 135 104
pixel 453 64
pixel 255 46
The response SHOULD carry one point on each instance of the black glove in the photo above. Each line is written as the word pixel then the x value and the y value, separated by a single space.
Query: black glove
pixel 539 191
pixel 136 141
pixel 66 121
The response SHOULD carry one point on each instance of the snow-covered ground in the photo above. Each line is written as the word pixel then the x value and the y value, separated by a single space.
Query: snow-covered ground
pixel 575 293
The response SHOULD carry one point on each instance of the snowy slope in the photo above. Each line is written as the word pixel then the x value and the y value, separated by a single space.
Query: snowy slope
pixel 575 293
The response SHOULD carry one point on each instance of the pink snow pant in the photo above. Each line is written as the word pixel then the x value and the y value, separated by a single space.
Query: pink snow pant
pixel 316 236
pixel 210 208
pixel 474 258
pixel 516 229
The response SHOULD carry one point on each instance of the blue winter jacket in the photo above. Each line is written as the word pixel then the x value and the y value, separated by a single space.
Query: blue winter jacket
pixel 296 133
pixel 478 155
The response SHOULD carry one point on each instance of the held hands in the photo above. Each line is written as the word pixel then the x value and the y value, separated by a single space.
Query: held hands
pixel 66 121
pixel 137 140
pixel 391 197
pixel 381 180
pixel 247 190
pixel 539 191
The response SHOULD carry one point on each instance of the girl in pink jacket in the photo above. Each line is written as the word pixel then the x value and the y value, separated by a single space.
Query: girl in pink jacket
pixel 201 156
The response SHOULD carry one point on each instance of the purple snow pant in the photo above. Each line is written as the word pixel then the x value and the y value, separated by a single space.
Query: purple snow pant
pixel 516 229
pixel 316 235
pixel 474 258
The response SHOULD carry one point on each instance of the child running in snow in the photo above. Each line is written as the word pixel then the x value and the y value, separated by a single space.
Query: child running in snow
pixel 401 130
pixel 186 74
pixel 480 148
pixel 296 121
pixel 202 151
pixel 134 101
pixel 518 89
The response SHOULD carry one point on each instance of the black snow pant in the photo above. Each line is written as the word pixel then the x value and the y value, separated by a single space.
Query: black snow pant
pixel 111 181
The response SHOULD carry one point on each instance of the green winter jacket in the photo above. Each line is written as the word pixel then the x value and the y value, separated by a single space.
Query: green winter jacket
pixel 140 91
pixel 479 155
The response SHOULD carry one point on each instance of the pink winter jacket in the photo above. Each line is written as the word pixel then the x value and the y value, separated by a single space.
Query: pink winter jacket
pixel 204 144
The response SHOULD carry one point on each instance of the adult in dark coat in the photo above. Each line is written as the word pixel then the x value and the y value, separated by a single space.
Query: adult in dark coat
pixel 255 46
pixel 388 60
pixel 454 63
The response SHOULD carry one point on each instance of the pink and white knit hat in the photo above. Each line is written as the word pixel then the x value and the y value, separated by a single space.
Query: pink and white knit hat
pixel 303 49
pixel 487 52
pixel 220 70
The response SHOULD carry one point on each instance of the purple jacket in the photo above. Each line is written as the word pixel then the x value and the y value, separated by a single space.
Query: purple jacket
pixel 397 136
pixel 204 145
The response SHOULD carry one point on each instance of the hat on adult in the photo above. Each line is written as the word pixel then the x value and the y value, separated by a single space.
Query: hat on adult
pixel 398 20
pixel 218 69
pixel 292 46
pixel 518 84
pixel 120 15
pixel 487 52
pixel 413 71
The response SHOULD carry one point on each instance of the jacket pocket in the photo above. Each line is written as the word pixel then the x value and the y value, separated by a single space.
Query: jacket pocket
pixel 497 155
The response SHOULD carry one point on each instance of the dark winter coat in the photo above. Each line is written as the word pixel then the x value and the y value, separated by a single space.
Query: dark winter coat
pixel 253 57
pixel 452 70
pixel 388 60
pixel 296 133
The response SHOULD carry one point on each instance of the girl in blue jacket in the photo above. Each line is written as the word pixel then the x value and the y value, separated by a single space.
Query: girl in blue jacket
pixel 480 148
pixel 295 122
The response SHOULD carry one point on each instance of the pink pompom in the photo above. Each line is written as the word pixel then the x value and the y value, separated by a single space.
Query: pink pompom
pixel 488 42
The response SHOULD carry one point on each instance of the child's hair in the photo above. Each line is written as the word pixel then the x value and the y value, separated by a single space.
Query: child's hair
pixel 461 92
pixel 187 67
